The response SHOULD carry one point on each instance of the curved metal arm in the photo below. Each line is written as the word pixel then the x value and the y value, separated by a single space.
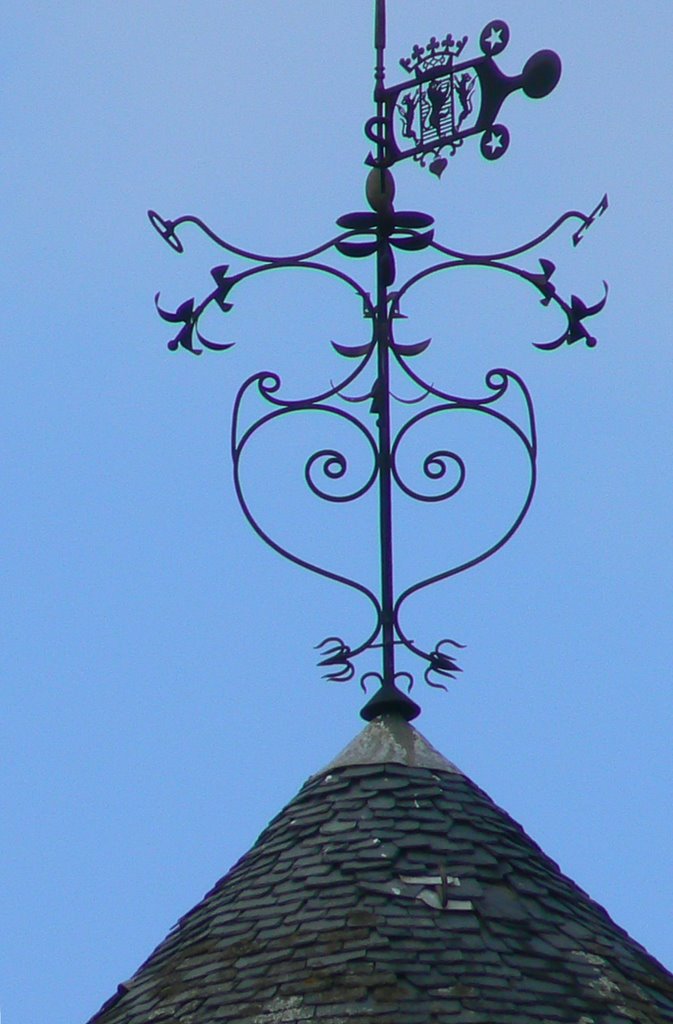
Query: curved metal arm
pixel 167 230
pixel 266 384
pixel 499 380
pixel 188 314
pixel 575 311
pixel 586 220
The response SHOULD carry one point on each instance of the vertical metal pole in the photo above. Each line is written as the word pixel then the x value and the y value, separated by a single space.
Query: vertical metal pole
pixel 380 78
pixel 385 489
pixel 383 381
pixel 380 193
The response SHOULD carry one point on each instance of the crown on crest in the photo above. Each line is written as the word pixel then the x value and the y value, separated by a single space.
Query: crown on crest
pixel 423 58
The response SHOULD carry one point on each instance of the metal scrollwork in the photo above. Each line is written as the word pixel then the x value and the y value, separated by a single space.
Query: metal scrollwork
pixel 435 464
pixel 448 100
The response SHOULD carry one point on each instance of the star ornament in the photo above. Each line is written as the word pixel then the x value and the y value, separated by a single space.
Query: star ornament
pixel 494 142
pixel 494 38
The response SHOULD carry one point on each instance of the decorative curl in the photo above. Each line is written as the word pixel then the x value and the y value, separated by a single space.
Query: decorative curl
pixel 370 675
pixel 409 678
pixel 334 466
pixel 377 675
pixel 435 465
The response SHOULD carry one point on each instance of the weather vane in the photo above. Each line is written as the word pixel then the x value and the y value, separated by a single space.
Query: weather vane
pixel 444 101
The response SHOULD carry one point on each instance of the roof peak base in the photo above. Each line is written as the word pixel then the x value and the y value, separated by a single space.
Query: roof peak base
pixel 389 738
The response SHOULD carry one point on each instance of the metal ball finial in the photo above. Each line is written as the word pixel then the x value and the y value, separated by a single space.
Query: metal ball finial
pixel 380 189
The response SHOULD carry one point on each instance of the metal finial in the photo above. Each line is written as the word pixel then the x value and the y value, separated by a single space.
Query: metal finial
pixel 447 100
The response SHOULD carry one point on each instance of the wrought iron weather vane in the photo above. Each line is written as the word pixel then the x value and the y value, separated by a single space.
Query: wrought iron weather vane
pixel 443 103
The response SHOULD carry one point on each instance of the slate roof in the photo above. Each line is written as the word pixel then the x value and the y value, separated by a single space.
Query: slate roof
pixel 392 890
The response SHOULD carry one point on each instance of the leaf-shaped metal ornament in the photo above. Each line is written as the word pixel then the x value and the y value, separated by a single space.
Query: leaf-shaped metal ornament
pixel 352 351
pixel 411 350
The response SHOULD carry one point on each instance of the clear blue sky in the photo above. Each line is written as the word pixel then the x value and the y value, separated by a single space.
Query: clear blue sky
pixel 160 700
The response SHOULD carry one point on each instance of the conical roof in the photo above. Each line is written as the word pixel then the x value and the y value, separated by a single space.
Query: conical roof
pixel 392 889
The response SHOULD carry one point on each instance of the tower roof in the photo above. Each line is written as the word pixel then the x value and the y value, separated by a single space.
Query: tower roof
pixel 392 889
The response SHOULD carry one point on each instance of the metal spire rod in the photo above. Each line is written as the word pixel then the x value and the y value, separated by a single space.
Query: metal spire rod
pixel 380 195
pixel 444 101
